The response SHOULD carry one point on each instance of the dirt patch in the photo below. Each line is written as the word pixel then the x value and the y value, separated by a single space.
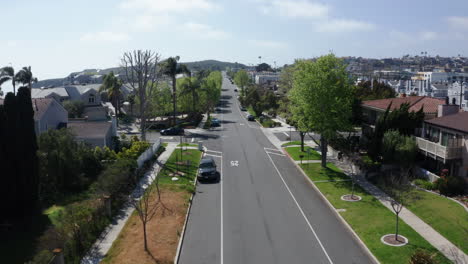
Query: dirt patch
pixel 163 233
pixel 351 198
pixel 391 240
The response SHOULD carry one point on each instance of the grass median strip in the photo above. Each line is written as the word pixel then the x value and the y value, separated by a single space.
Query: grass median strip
pixel 369 218
pixel 445 216
pixel 165 228
pixel 295 152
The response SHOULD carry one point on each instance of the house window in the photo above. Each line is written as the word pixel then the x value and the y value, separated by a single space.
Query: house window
pixel 91 98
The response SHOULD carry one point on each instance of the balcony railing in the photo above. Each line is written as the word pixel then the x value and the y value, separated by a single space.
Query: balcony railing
pixel 453 150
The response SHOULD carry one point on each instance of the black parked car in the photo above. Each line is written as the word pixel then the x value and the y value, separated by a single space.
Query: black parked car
pixel 215 122
pixel 172 131
pixel 207 170
pixel 250 117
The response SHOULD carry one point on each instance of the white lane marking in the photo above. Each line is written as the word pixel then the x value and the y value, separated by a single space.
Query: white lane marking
pixel 222 232
pixel 167 137
pixel 272 149
pixel 234 163
pixel 193 139
pixel 242 124
pixel 213 151
pixel 208 154
pixel 282 155
pixel 300 209
pixel 286 133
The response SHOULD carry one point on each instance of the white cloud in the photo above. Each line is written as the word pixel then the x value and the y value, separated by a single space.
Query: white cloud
pixel 343 25
pixel 164 6
pixel 150 22
pixel 203 31
pixel 104 36
pixel 428 35
pixel 295 8
pixel 458 22
pixel 267 44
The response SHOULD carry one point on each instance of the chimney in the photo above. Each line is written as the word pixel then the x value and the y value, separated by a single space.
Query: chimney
pixel 447 109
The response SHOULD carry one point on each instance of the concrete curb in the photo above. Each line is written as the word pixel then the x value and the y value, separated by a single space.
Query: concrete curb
pixel 355 236
pixel 182 235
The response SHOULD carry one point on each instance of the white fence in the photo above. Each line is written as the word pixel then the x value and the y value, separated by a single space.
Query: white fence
pixel 148 153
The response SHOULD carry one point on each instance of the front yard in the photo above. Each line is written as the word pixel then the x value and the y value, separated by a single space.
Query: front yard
pixel 445 216
pixel 165 228
pixel 368 217
pixel 295 152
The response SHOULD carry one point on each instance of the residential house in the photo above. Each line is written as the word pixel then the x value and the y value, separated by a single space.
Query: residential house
pixel 88 94
pixel 372 109
pixel 48 114
pixel 94 133
pixel 444 142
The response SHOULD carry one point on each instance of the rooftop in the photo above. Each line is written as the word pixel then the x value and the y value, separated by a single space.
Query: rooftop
pixel 40 106
pixel 89 129
pixel 430 104
pixel 458 121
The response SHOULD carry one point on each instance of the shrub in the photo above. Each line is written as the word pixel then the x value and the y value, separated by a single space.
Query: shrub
pixel 422 257
pixel 207 124
pixel 369 164
pixel 425 184
pixel 450 186
pixel 43 257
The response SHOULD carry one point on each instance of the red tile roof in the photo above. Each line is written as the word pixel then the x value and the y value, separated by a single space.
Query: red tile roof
pixel 430 104
pixel 458 121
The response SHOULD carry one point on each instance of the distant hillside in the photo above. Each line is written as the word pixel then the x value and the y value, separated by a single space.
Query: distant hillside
pixel 95 75
pixel 213 65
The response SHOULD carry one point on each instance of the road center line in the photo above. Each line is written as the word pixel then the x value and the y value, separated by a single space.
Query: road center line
pixel 300 209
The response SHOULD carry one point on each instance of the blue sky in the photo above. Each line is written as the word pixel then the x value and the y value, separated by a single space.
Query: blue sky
pixel 57 37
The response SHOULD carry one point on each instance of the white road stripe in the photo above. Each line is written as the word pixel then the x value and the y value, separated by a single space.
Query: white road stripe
pixel 207 150
pixel 282 155
pixel 193 139
pixel 272 149
pixel 300 209
pixel 286 134
pixel 222 229
pixel 208 154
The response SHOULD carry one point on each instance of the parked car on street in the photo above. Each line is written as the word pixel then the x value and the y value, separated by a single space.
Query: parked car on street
pixel 207 170
pixel 172 131
pixel 242 108
pixel 235 90
pixel 215 122
pixel 250 117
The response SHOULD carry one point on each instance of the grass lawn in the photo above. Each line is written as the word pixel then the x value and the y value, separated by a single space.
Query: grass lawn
pixel 370 219
pixel 165 144
pixel 294 152
pixel 165 228
pixel 187 145
pixel 53 213
pixel 292 143
pixel 329 174
pixel 445 216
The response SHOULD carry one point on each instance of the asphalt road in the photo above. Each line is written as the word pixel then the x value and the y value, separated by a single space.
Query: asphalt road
pixel 262 210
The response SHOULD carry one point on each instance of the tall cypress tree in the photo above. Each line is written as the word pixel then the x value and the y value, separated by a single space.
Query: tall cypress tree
pixel 27 148
pixel 10 149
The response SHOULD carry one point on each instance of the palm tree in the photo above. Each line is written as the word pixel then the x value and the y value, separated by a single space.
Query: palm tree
pixel 171 68
pixel 112 84
pixel 8 74
pixel 25 76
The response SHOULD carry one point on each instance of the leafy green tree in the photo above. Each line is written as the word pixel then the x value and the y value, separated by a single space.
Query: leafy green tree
pixel 171 68
pixel 8 74
pixel 286 80
pixel 25 77
pixel 75 109
pixel 367 91
pixel 112 85
pixel 241 79
pixel 211 91
pixel 401 120
pixel 190 87
pixel 399 149
pixel 263 67
pixel 321 98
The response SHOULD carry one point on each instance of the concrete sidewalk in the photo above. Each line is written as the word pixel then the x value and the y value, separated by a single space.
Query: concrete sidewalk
pixel 102 245
pixel 427 232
